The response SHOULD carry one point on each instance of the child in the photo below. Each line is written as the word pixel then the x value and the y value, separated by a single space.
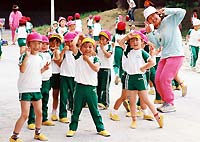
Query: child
pixel 47 56
pixel 29 25
pixel 70 18
pixel 78 21
pixel 86 70
pixel 96 28
pixel 21 35
pixel 104 52
pixel 135 62
pixel 67 73
pixel 117 65
pixel 193 37
pixel 90 24
pixel 29 84
pixel 172 55
pixel 71 26
pixel 62 30
pixel 54 44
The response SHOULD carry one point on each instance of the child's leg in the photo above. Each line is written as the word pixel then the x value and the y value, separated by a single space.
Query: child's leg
pixel 55 99
pixel 63 97
pixel 120 100
pixel 91 99
pixel 71 84
pixel 45 99
pixel 31 117
pixel 132 95
pixel 143 96
pixel 79 100
pixel 25 106
pixel 37 105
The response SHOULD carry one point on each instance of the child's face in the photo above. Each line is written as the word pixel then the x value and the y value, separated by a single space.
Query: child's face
pixel 69 43
pixel 103 40
pixel 62 23
pixel 44 47
pixel 72 27
pixel 35 46
pixel 154 19
pixel 87 48
pixel 53 45
pixel 55 26
pixel 196 27
pixel 135 43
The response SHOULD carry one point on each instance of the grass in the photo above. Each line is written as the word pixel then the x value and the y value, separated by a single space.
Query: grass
pixel 86 14
pixel 42 29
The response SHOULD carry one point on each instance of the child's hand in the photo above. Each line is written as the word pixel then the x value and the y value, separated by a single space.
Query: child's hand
pixel 28 51
pixel 148 27
pixel 46 66
pixel 66 48
pixel 85 58
pixel 143 69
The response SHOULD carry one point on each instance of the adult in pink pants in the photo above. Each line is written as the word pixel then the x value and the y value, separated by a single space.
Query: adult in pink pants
pixel 166 34
pixel 14 17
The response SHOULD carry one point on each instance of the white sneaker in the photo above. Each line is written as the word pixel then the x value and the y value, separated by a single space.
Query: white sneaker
pixel 166 108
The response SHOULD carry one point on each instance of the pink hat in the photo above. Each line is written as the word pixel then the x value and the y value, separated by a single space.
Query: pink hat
pixel 143 30
pixel 61 18
pixel 106 34
pixel 34 36
pixel 70 36
pixel 77 15
pixel 71 23
pixel 121 26
pixel 45 39
pixel 70 18
pixel 141 35
pixel 23 20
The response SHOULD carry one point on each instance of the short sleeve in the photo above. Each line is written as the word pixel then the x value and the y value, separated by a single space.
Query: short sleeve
pixel 145 56
pixel 21 59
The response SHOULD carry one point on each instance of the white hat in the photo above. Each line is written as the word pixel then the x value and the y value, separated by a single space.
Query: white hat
pixel 195 22
pixel 148 11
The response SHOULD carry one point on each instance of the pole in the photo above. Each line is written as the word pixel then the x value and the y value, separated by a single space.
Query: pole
pixel 52 11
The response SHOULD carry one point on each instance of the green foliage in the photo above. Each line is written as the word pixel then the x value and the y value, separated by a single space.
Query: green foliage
pixel 42 29
pixel 86 14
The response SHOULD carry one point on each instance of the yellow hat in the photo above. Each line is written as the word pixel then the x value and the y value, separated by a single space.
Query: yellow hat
pixel 87 39
pixel 55 36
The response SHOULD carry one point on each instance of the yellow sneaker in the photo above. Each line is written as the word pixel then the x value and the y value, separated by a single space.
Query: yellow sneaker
pixel 70 133
pixel 151 92
pixel 54 117
pixel 184 90
pixel 133 124
pixel 40 137
pixel 161 121
pixel 64 120
pixel 114 117
pixel 31 126
pixel 173 87
pixel 13 140
pixel 158 101
pixel 48 123
pixel 139 113
pixel 101 106
pixel 104 133
pixel 148 117
pixel 128 114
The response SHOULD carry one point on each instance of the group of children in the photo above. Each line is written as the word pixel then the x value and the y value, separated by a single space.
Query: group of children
pixel 78 67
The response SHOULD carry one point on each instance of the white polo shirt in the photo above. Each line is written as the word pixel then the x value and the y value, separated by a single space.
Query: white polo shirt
pixel 84 73
pixel 133 60
pixel 31 79
pixel 67 67
pixel 106 63
pixel 47 57
pixel 96 29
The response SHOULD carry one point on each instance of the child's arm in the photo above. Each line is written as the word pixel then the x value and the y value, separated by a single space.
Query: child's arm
pixel 46 67
pixel 56 55
pixel 94 66
pixel 66 48
pixel 106 53
pixel 22 66
pixel 122 41
pixel 151 62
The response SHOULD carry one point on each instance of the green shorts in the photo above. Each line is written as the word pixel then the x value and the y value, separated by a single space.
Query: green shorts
pixel 123 80
pixel 96 38
pixel 21 42
pixel 35 96
pixel 136 82
pixel 55 81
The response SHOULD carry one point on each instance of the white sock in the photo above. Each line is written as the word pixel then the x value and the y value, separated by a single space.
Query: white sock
pixel 145 111
pixel 54 111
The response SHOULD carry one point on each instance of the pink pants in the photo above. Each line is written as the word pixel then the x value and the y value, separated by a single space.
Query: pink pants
pixel 13 34
pixel 165 73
